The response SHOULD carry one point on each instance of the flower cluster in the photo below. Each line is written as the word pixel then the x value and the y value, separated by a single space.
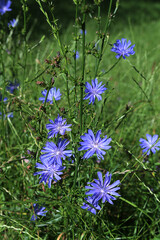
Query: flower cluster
pixel 52 154
pixel 101 190
pixel 52 161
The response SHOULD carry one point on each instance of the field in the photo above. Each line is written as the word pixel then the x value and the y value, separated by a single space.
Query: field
pixel 51 50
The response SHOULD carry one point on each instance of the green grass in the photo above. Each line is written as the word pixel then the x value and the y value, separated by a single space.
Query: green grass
pixel 129 109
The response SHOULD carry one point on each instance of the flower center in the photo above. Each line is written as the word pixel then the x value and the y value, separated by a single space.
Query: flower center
pixel 59 127
pixel 102 190
pixel 95 145
pixel 94 91
pixel 57 153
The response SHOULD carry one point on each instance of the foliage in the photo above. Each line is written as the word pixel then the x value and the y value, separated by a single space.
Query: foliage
pixel 125 107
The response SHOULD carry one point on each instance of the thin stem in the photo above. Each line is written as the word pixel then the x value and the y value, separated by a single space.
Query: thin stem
pixel 25 42
pixel 55 31
pixel 102 74
pixel 40 120
pixel 103 38
pixel 83 70
pixel 99 28
pixel 75 51
pixel 3 93
pixel 81 94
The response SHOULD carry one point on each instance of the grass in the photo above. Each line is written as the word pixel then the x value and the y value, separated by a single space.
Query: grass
pixel 129 109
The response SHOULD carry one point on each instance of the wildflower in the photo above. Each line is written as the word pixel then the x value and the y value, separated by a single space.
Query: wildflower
pixel 77 55
pixel 90 208
pixel 38 211
pixel 95 144
pixel 8 52
pixel 94 91
pixel 81 31
pixel 8 115
pixel 50 171
pixel 5 6
pixel 4 99
pixel 121 47
pixel 13 23
pixel 58 126
pixel 12 86
pixel 103 190
pixel 53 93
pixel 150 145
pixel 55 153
pixel 31 153
pixel 71 159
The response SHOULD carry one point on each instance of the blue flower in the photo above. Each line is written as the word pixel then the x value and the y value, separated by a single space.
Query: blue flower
pixel 4 99
pixel 77 54
pixel 95 144
pixel 5 7
pixel 8 115
pixel 38 211
pixel 12 86
pixel 81 31
pixel 13 23
pixel 55 153
pixel 53 93
pixel 149 145
pixel 94 91
pixel 90 208
pixel 121 47
pixel 102 190
pixel 50 171
pixel 58 126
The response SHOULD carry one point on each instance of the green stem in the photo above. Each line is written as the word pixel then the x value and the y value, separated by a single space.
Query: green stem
pixel 103 38
pixel 3 93
pixel 75 60
pixel 99 28
pixel 55 31
pixel 24 7
pixel 81 92
pixel 40 120
pixel 102 74
pixel 83 70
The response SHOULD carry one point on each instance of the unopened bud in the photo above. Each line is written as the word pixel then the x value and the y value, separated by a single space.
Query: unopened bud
pixel 52 81
pixel 41 83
